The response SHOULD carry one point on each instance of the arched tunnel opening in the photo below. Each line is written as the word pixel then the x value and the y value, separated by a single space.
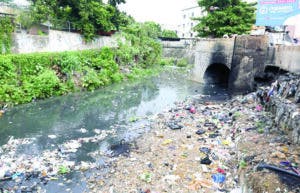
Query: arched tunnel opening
pixel 269 74
pixel 217 74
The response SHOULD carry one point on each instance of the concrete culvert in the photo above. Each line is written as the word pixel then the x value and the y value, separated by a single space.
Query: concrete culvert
pixel 217 74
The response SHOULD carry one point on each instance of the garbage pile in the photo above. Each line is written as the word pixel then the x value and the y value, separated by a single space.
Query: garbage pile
pixel 28 173
pixel 282 99
pixel 215 147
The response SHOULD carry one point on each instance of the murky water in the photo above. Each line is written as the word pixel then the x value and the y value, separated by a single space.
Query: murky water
pixel 81 114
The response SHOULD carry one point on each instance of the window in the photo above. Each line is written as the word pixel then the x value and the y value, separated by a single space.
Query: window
pixel 192 24
pixel 192 14
pixel 184 16
pixel 183 25
pixel 191 35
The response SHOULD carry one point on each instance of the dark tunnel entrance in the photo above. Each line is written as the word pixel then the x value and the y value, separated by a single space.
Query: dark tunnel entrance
pixel 217 74
pixel 269 74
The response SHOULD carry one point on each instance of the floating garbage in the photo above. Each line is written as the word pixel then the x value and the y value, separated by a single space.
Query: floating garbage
pixel 192 110
pixel 52 136
pixel 83 130
pixel 63 170
pixel 70 146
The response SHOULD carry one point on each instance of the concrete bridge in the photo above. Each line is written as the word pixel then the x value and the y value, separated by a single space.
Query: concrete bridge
pixel 237 62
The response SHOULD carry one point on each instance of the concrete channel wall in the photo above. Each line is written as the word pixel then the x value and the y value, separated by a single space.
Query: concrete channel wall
pixel 288 58
pixel 57 41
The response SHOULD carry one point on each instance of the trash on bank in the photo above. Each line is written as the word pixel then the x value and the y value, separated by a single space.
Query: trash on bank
pixel 278 169
pixel 218 178
pixel 146 176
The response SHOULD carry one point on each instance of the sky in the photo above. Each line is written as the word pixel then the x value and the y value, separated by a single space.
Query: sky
pixel 159 11
pixel 21 2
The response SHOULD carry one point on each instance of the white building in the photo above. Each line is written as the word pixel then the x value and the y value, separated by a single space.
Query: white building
pixel 186 25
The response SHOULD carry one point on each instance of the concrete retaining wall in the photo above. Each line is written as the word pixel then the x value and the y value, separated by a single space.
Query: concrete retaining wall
pixel 180 49
pixel 288 58
pixel 249 56
pixel 57 41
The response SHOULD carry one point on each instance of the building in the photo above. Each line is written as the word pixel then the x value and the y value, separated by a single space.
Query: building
pixel 186 25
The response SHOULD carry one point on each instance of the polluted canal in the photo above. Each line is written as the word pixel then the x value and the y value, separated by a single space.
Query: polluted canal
pixel 55 145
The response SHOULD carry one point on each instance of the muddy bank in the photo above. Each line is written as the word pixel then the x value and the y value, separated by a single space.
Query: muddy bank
pixel 235 146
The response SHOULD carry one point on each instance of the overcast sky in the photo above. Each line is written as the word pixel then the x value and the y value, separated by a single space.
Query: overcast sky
pixel 21 2
pixel 160 11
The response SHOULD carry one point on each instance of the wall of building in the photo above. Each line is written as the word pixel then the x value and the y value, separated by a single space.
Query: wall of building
pixel 57 41
pixel 185 27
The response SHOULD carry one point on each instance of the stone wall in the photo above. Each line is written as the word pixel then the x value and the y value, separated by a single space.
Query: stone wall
pixel 284 105
pixel 57 41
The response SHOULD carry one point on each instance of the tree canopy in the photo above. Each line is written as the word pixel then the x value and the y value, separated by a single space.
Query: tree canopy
pixel 115 2
pixel 169 34
pixel 86 16
pixel 225 17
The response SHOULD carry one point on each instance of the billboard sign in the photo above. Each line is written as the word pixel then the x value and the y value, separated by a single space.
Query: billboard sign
pixel 275 12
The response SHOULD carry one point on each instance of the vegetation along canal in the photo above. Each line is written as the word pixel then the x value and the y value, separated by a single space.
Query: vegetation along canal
pixel 62 134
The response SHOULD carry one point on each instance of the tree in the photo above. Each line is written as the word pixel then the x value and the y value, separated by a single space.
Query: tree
pixel 151 29
pixel 225 17
pixel 142 45
pixel 169 34
pixel 88 16
pixel 115 2
pixel 6 30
